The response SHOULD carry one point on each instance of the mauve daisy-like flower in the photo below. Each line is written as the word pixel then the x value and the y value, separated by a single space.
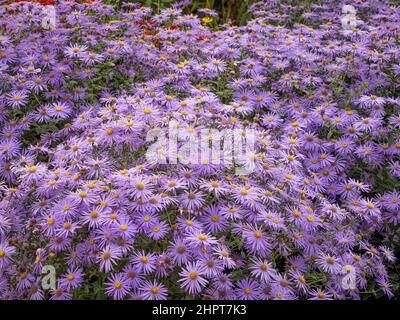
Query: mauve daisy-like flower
pixel 90 58
pixel 370 101
pixel 133 276
pixel 158 231
pixel 9 149
pixel 17 99
pixel 192 277
pixel 125 229
pixel 248 289
pixel 32 173
pixel 6 253
pixel 200 240
pixel 262 269
pixel 60 294
pixel 386 287
pixel 388 254
pixel 35 292
pixel 145 262
pixel 102 179
pixel 59 110
pixel 4 40
pixel 152 290
pixel 256 239
pixel 180 251
pixel 95 217
pixel 117 286
pixel 72 279
pixel 108 257
pixel 67 228
pixel 299 281
pixel 213 220
pixel 192 200
pixel 141 188
pixel 75 50
pixel 328 263
pixel 320 295
pixel 277 293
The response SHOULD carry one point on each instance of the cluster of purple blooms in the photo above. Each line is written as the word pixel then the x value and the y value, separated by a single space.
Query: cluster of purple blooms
pixel 320 202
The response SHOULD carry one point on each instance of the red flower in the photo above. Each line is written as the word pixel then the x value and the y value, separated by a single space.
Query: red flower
pixel 148 31
pixel 42 2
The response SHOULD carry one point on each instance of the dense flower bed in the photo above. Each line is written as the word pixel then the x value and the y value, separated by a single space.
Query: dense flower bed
pixel 78 101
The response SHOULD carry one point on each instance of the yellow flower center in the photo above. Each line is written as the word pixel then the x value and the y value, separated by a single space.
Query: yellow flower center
pixel 154 290
pixel 264 267
pixel 140 186
pixel 192 275
pixel 258 234
pixel 147 111
pixel 330 260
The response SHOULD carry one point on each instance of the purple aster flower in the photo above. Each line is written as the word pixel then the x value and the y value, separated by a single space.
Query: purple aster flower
pixel 192 277
pixel 159 230
pixel 125 229
pixel 6 253
pixel 145 262
pixel 201 240
pixel 180 251
pixel 60 294
pixel 212 267
pixel 17 98
pixel 256 239
pixel 133 276
pixel 72 279
pixel 192 200
pixel 213 220
pixel 152 290
pixel 262 269
pixel 248 289
pixel 59 110
pixel 386 287
pixel 108 258
pixel 320 295
pixel 328 263
pixel 117 286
